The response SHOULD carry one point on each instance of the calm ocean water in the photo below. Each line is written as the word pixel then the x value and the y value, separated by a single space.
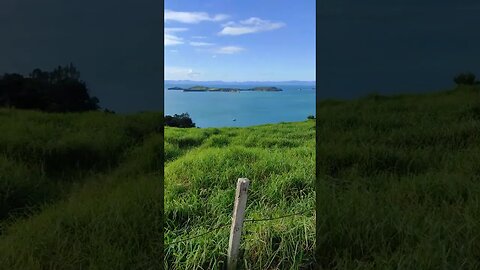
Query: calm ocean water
pixel 209 109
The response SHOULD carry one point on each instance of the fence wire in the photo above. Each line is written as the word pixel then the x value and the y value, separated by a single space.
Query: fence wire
pixel 198 235
pixel 229 224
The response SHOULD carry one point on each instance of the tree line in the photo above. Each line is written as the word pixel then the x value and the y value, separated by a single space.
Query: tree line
pixel 60 90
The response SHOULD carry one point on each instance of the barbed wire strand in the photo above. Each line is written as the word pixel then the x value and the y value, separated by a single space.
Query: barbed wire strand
pixel 274 218
pixel 229 224
pixel 202 234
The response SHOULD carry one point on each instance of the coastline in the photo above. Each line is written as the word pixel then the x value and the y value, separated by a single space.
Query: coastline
pixel 224 89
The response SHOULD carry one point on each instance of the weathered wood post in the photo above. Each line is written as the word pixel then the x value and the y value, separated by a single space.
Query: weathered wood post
pixel 237 222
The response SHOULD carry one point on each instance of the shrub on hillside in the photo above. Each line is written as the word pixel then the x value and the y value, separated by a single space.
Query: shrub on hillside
pixel 465 79
pixel 375 96
pixel 108 111
pixel 179 120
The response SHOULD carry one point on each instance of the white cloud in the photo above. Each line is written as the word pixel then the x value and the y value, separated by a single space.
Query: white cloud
pixel 192 74
pixel 171 39
pixel 180 73
pixel 230 23
pixel 192 17
pixel 200 44
pixel 229 50
pixel 199 37
pixel 249 26
pixel 175 29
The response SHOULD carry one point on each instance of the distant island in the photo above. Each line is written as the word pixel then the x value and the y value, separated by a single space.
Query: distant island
pixel 225 89
pixel 239 83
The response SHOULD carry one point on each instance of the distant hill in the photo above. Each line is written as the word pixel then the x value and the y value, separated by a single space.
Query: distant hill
pixel 261 83
pixel 198 88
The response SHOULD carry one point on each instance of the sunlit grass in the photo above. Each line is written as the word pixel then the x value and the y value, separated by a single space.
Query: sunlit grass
pixel 201 172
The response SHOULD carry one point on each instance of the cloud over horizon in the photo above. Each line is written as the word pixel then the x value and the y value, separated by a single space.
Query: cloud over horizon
pixel 200 44
pixel 249 26
pixel 229 50
pixel 192 17
pixel 171 39
pixel 179 73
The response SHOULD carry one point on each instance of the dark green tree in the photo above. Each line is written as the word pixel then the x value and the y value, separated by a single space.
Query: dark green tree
pixel 60 90
pixel 467 78
pixel 179 120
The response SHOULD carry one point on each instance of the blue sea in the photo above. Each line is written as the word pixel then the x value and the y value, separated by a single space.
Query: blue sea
pixel 211 109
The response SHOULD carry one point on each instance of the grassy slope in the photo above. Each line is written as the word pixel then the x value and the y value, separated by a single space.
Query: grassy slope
pixel 399 187
pixel 399 183
pixel 80 191
pixel 201 170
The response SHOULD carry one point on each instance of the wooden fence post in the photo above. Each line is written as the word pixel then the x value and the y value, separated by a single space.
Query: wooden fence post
pixel 237 222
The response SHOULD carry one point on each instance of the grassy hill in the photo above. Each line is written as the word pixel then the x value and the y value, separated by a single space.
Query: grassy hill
pixel 399 182
pixel 398 187
pixel 80 191
pixel 201 170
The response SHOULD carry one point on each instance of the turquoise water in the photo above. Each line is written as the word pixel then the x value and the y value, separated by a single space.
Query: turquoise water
pixel 209 109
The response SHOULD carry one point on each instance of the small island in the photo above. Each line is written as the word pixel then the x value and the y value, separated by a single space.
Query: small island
pixel 215 89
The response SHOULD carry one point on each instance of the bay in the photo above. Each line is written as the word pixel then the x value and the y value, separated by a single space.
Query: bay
pixel 220 109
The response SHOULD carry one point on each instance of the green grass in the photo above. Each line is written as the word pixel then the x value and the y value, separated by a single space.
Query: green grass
pixel 398 188
pixel 80 191
pixel 201 171
pixel 399 182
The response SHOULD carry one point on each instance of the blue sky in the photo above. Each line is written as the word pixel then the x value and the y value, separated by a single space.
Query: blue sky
pixel 239 40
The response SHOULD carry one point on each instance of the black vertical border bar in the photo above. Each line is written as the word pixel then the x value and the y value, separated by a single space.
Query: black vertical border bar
pixel 317 136
pixel 162 130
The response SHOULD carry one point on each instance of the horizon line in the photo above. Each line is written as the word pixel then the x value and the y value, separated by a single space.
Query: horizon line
pixel 242 81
